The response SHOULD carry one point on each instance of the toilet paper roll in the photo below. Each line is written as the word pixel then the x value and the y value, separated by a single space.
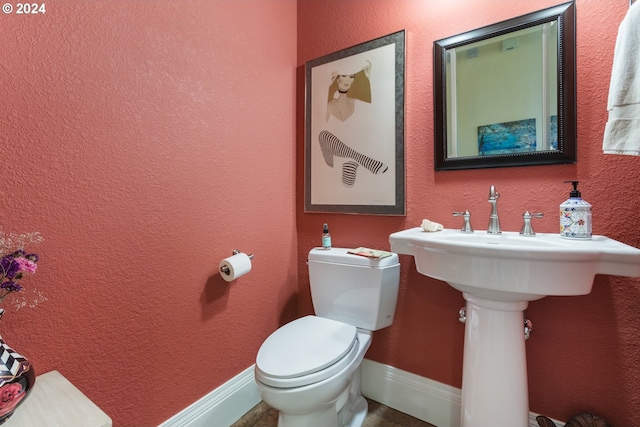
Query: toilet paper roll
pixel 235 266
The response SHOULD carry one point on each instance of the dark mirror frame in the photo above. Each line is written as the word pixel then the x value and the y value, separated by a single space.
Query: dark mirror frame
pixel 564 14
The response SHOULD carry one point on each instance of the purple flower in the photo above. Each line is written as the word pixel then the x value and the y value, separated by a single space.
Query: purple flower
pixel 12 268
pixel 11 286
pixel 9 268
pixel 16 264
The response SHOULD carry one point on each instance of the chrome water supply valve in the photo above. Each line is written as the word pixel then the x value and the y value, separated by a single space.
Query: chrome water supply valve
pixel 462 314
pixel 528 325
pixel 528 328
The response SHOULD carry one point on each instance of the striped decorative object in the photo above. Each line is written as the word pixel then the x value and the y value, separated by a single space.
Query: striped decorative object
pixel 332 146
pixel 16 379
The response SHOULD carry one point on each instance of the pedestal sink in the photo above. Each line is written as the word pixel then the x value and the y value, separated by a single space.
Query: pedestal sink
pixel 498 275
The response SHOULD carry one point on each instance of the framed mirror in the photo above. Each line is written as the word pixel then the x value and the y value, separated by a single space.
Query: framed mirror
pixel 505 94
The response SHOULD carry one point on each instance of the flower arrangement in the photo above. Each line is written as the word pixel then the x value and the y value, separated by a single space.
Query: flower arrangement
pixel 16 372
pixel 15 262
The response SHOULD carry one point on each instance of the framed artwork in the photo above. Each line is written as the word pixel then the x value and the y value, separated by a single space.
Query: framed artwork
pixel 507 138
pixel 354 129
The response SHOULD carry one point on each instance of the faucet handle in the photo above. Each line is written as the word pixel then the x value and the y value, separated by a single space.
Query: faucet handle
pixel 466 226
pixel 527 229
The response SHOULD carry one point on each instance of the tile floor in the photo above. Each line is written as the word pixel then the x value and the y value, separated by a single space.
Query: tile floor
pixel 379 416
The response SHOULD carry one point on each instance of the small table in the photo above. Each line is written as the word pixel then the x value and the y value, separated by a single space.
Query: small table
pixel 55 402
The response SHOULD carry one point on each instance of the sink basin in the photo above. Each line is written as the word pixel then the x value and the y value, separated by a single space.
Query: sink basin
pixel 512 267
pixel 498 275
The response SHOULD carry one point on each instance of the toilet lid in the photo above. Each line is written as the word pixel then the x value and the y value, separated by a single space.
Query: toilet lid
pixel 305 346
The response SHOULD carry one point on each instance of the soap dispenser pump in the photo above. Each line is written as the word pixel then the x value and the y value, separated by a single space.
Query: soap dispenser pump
pixel 575 215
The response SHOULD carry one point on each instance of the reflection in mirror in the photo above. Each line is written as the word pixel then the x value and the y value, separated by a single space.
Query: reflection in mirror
pixel 505 94
pixel 503 83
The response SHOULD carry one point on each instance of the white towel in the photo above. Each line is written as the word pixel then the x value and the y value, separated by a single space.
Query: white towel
pixel 622 132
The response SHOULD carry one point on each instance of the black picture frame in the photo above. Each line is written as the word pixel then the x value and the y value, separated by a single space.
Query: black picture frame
pixel 562 15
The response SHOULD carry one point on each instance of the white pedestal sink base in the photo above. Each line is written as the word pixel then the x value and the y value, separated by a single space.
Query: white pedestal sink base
pixel 498 274
pixel 494 373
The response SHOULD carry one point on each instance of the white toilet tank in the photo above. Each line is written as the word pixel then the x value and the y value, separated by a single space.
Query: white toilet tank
pixel 354 289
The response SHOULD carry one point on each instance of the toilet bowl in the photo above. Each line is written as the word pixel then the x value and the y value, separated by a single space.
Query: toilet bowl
pixel 309 369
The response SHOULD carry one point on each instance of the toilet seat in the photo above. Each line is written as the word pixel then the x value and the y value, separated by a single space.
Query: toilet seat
pixel 306 351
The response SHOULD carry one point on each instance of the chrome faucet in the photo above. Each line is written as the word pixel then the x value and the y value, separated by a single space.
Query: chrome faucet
pixel 494 221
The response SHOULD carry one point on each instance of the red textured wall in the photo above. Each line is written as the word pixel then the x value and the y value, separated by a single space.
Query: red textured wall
pixel 146 141
pixel 584 351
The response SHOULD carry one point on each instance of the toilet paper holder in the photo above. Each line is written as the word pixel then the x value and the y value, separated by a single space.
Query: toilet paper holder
pixel 224 269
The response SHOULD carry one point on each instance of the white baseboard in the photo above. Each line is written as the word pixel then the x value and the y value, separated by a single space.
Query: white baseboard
pixel 420 397
pixel 428 400
pixel 223 406
pixel 431 401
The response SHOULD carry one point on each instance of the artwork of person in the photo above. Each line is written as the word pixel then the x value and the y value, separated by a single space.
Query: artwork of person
pixel 345 89
pixel 343 92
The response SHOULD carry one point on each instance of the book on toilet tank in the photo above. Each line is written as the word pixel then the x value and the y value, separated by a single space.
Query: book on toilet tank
pixel 370 253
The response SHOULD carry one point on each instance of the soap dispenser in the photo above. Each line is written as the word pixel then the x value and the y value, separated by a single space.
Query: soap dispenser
pixel 575 216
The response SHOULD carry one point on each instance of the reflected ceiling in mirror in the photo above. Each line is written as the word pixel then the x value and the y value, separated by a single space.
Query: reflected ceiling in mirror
pixel 505 93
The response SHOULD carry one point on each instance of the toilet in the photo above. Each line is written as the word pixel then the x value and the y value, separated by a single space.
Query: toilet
pixel 309 369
